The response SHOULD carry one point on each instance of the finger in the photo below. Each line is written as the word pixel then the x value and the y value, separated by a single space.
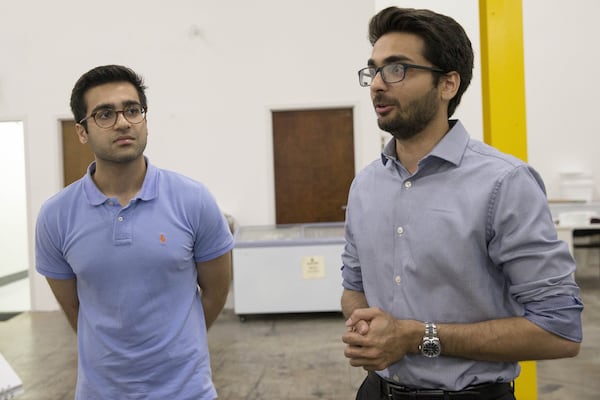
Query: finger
pixel 365 363
pixel 352 352
pixel 362 327
pixel 366 314
pixel 356 357
pixel 364 355
pixel 354 339
pixel 368 364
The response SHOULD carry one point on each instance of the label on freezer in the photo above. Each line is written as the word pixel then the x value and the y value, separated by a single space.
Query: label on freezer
pixel 313 267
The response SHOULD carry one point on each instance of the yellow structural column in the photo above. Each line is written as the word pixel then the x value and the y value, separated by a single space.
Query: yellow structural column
pixel 502 75
pixel 503 95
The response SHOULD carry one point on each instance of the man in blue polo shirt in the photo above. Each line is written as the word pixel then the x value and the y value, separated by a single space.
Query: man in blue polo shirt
pixel 138 257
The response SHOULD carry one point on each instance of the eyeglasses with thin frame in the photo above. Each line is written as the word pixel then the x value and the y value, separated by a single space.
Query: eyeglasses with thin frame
pixel 107 118
pixel 390 73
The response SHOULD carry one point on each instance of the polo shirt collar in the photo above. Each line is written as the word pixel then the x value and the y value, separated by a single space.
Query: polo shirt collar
pixel 148 191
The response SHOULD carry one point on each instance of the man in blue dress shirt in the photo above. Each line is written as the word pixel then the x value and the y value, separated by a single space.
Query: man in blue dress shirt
pixel 452 270
pixel 138 257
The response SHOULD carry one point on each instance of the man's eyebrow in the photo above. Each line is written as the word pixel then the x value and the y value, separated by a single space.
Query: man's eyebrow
pixel 110 106
pixel 389 60
pixel 103 106
pixel 131 103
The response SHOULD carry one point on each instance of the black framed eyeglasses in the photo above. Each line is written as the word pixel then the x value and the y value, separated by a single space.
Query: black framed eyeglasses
pixel 390 73
pixel 107 117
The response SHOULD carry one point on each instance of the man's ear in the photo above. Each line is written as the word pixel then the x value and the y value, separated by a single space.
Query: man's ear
pixel 449 84
pixel 81 133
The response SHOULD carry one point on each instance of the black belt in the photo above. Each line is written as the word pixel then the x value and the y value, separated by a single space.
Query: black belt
pixel 478 392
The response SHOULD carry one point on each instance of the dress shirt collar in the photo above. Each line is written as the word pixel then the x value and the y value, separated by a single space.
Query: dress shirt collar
pixel 451 148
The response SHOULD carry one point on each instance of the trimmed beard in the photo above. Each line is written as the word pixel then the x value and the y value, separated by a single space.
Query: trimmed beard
pixel 413 118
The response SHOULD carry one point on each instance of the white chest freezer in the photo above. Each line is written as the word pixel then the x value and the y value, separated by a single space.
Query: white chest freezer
pixel 288 268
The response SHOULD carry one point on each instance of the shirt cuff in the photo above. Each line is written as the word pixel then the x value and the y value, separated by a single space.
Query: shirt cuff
pixel 560 315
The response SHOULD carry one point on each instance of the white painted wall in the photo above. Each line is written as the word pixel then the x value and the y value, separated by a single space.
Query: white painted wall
pixel 562 86
pixel 13 200
pixel 215 69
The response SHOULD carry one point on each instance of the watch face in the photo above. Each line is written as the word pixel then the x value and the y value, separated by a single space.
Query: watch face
pixel 431 348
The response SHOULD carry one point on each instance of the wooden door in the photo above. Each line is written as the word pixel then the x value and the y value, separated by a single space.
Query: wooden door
pixel 313 153
pixel 76 156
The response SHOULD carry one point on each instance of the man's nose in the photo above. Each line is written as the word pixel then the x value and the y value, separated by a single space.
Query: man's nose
pixel 377 83
pixel 121 120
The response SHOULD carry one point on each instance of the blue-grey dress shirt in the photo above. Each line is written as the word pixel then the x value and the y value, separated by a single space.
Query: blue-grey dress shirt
pixel 468 237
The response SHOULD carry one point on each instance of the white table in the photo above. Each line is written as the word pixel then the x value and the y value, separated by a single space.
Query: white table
pixel 565 232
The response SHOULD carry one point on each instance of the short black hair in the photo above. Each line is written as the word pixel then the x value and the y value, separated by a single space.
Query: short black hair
pixel 447 45
pixel 99 76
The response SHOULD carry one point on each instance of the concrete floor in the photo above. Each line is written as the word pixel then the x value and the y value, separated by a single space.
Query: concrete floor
pixel 301 357
pixel 296 357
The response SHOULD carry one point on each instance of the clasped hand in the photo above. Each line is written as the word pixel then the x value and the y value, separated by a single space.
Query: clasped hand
pixel 375 339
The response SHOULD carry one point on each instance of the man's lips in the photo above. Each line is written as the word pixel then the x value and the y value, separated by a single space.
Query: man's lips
pixel 383 108
pixel 383 105
pixel 124 139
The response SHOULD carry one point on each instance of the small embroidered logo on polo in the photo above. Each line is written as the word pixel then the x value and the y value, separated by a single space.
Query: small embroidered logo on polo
pixel 163 238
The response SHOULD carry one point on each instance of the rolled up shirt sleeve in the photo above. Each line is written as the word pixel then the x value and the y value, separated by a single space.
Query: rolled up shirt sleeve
pixel 351 270
pixel 539 267
pixel 559 315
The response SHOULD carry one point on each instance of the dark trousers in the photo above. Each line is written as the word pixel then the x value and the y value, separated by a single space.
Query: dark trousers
pixel 373 388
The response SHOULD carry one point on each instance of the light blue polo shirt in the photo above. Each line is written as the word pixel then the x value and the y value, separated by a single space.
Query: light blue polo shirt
pixel 141 328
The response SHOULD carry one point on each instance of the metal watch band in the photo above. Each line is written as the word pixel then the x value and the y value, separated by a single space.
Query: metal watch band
pixel 430 347
pixel 430 330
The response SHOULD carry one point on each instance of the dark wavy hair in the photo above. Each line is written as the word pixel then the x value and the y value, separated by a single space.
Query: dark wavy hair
pixel 446 43
pixel 101 75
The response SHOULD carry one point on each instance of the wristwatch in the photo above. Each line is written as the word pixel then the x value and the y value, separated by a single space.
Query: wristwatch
pixel 430 347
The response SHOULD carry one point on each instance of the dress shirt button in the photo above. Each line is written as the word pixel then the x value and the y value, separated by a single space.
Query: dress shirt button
pixel 120 219
pixel 397 279
pixel 407 184
pixel 400 231
pixel 110 202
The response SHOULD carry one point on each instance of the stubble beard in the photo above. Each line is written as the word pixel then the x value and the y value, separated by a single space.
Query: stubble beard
pixel 130 156
pixel 120 156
